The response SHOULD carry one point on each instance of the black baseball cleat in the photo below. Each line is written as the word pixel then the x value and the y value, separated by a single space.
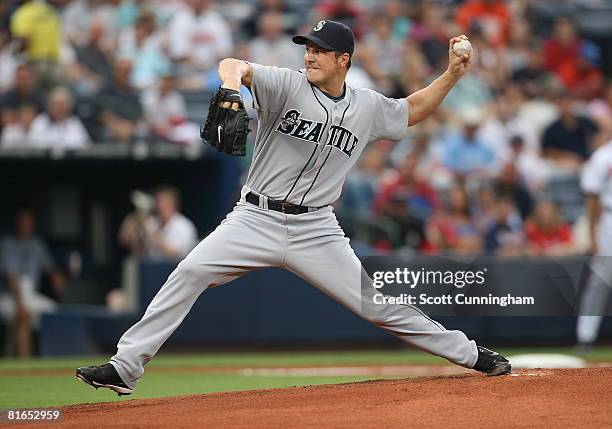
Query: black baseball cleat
pixel 103 376
pixel 491 363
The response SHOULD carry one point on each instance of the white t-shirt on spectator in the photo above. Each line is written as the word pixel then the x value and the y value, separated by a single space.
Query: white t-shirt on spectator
pixel 170 112
pixel 539 114
pixel 68 134
pixel 204 39
pixel 597 175
pixel 179 233
pixel 14 135
pixel 159 109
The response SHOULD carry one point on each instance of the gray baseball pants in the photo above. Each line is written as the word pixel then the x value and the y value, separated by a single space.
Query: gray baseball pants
pixel 311 245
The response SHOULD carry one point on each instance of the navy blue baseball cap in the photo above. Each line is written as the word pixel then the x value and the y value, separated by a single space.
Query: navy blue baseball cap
pixel 329 35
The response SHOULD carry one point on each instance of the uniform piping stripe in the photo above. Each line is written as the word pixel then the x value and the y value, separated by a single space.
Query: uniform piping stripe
pixel 313 151
pixel 301 172
pixel 328 153
pixel 418 310
pixel 343 113
pixel 315 179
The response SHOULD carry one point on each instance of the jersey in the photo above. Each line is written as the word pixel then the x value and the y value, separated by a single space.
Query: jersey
pixel 307 141
pixel 597 175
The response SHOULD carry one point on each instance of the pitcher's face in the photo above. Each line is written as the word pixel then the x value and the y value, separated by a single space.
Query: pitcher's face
pixel 321 65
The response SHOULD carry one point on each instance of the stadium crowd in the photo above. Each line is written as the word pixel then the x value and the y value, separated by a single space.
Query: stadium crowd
pixel 493 171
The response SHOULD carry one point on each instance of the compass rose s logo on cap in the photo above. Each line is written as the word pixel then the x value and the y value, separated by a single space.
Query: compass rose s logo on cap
pixel 319 25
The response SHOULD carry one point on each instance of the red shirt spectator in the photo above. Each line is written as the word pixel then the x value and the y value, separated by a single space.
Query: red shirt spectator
pixel 547 233
pixel 573 60
pixel 455 228
pixel 545 239
pixel 421 198
pixel 492 16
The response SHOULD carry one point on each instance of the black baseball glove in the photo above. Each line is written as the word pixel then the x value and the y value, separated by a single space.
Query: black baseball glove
pixel 225 128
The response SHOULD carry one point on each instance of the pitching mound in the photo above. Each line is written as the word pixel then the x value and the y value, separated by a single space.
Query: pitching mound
pixel 535 398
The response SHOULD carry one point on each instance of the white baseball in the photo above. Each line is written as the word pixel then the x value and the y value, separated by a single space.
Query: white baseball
pixel 462 47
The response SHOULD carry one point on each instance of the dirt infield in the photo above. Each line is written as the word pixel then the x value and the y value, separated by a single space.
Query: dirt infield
pixel 537 398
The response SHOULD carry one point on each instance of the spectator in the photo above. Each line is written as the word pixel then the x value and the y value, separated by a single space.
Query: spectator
pixel 107 11
pixel 166 112
pixel 567 141
pixel 508 184
pixel 484 208
pixel 58 128
pixel 387 50
pixel 237 12
pixel 491 16
pixel 396 228
pixel 539 112
pixel 498 129
pixel 79 15
pixel 272 47
pixel 400 23
pixel 23 92
pixel 166 235
pixel 198 38
pixel 421 197
pixel 546 233
pixel 464 153
pixel 432 32
pixel 505 236
pixel 414 70
pixel 143 46
pixel 517 53
pixel 531 75
pixel 249 28
pixel 455 229
pixel 92 70
pixel 119 107
pixel 24 259
pixel 532 169
pixel 38 27
pixel 421 146
pixel 16 134
pixel 77 22
pixel 573 60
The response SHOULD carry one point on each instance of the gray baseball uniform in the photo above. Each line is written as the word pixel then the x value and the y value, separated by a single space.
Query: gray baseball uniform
pixel 306 144
pixel 597 180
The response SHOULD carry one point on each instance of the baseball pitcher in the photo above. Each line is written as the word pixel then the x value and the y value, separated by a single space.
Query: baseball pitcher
pixel 312 128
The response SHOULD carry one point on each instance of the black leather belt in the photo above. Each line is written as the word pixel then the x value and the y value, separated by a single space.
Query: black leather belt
pixel 279 206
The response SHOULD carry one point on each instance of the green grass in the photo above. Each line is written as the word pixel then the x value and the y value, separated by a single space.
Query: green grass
pixel 56 390
pixel 45 382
